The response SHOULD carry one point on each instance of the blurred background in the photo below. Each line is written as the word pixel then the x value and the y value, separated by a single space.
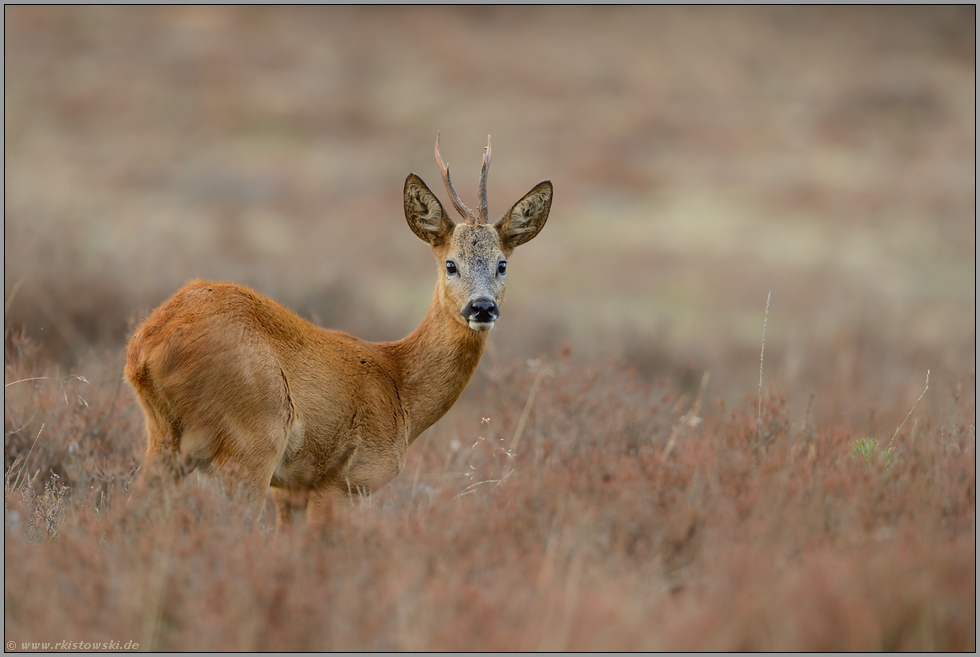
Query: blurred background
pixel 702 157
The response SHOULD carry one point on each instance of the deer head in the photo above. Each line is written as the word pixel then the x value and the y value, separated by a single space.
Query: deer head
pixel 472 255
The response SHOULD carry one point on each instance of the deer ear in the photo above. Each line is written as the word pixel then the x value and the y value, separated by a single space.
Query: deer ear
pixel 424 212
pixel 526 219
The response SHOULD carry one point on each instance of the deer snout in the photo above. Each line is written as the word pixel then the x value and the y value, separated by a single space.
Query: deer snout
pixel 481 313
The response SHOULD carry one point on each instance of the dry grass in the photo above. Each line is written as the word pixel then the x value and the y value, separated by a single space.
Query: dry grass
pixel 586 537
pixel 594 488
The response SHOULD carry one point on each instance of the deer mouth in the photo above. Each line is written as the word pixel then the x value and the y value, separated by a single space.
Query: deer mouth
pixel 480 326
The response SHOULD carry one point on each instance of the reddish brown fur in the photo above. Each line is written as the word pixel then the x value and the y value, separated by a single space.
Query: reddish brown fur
pixel 231 381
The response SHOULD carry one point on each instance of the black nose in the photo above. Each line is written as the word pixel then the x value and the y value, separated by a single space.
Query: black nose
pixel 481 310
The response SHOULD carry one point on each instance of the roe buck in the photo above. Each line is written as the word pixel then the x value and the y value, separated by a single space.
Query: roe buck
pixel 233 383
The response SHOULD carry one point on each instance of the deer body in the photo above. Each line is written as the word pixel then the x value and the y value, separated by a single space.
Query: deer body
pixel 234 383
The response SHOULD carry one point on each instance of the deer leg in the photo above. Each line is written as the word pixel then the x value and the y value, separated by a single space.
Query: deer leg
pixel 329 505
pixel 162 470
pixel 288 501
pixel 250 475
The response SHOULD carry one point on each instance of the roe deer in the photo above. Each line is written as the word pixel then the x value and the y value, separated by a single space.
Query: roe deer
pixel 233 383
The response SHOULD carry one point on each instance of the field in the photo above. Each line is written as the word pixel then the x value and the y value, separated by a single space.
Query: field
pixel 628 469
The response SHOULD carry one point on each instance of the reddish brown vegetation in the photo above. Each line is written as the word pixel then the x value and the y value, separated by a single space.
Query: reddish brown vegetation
pixel 587 537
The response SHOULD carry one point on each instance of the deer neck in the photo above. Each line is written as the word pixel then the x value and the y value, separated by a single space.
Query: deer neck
pixel 435 362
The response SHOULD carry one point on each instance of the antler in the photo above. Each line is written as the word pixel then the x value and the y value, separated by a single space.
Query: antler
pixel 484 211
pixel 467 214
pixel 464 211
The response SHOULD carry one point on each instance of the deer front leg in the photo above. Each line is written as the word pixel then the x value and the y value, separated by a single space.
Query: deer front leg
pixel 287 502
pixel 328 506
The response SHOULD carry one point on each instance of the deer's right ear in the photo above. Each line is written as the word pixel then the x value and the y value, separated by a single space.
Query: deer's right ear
pixel 424 212
pixel 526 219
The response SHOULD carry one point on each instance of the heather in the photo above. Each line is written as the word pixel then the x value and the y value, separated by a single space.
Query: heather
pixel 590 534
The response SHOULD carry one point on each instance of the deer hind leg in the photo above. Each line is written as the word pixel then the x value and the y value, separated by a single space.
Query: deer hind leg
pixel 243 426
pixel 245 466
pixel 163 459
pixel 163 468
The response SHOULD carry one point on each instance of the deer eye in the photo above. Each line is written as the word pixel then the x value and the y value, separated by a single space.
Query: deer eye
pixel 502 267
pixel 450 267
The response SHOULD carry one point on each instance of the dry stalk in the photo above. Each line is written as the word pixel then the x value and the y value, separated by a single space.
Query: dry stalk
pixel 519 431
pixel 690 419
pixel 762 354
pixel 895 435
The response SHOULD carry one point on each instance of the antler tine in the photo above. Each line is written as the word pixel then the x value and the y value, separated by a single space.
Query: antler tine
pixel 483 208
pixel 464 211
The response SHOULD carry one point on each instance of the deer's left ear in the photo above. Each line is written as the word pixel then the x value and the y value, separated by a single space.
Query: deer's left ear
pixel 528 216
